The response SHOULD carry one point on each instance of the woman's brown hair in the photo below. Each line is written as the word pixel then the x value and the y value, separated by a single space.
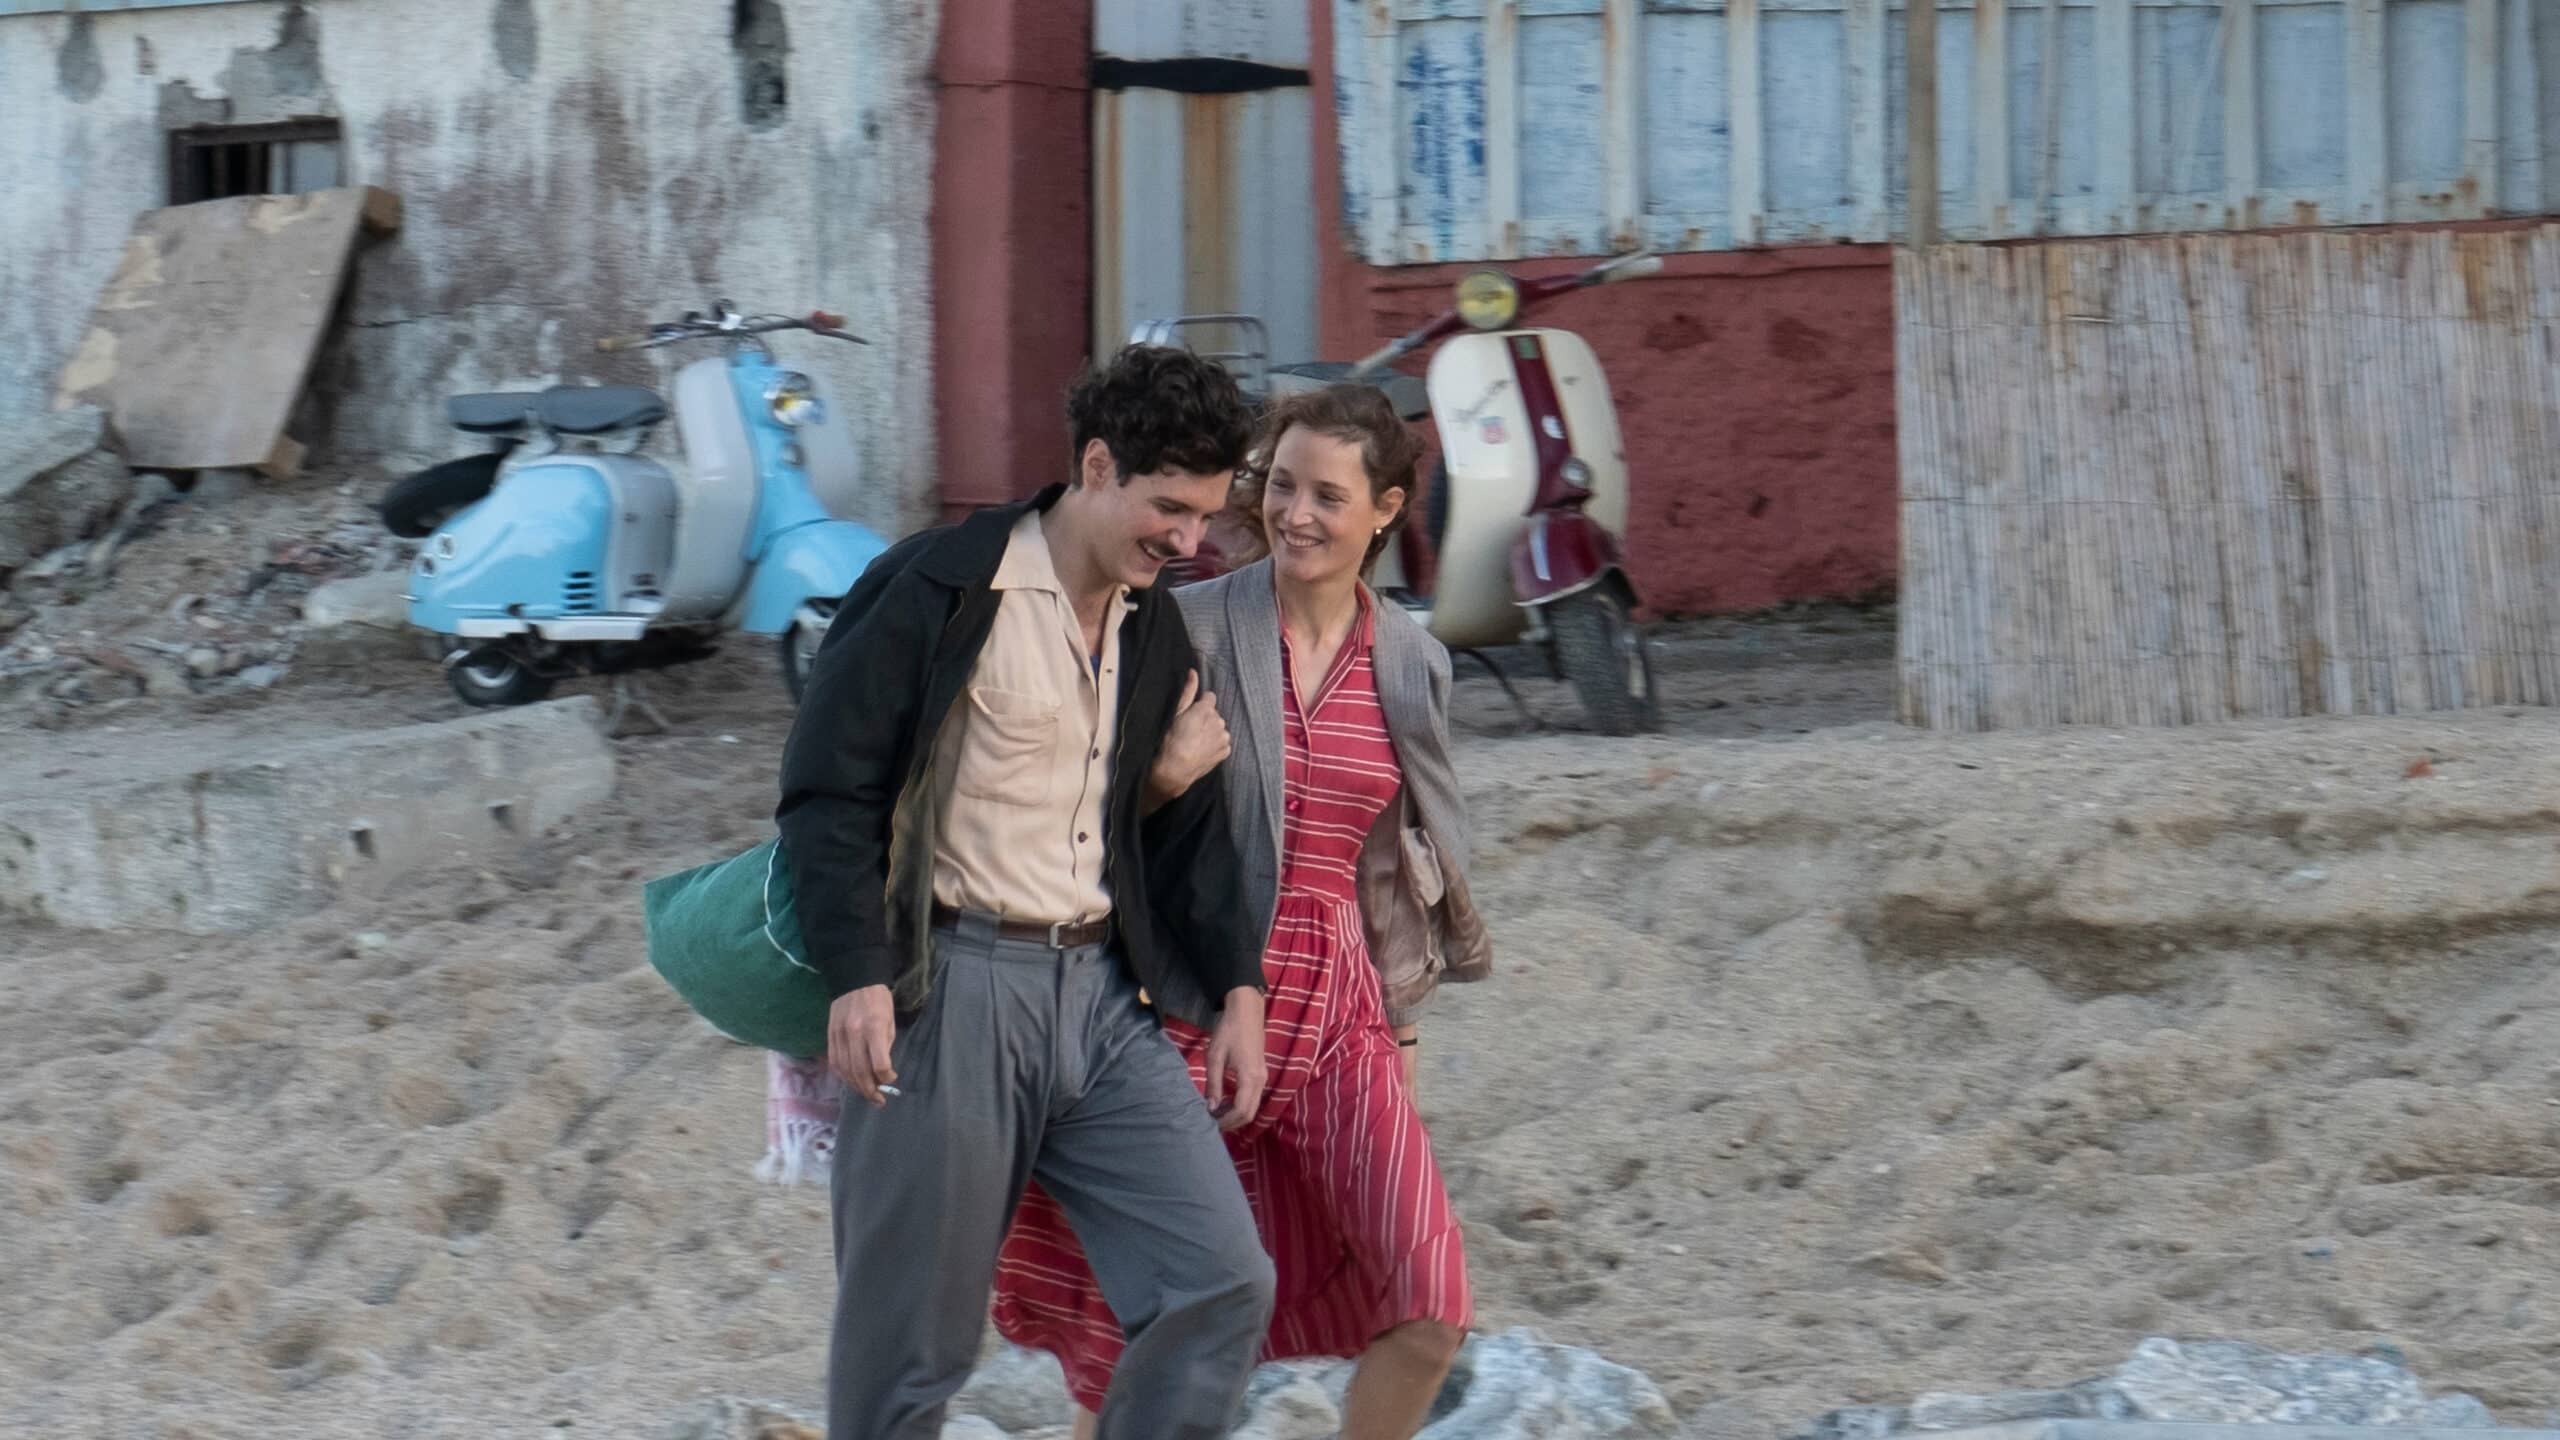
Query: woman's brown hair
pixel 1353 414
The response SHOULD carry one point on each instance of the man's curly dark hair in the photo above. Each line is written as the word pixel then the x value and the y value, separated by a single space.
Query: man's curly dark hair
pixel 1157 408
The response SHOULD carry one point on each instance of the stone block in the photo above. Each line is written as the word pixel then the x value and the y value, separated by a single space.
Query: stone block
pixel 104 831
pixel 360 619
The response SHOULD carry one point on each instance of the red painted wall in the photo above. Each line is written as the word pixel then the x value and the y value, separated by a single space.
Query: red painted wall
pixel 1012 242
pixel 1755 390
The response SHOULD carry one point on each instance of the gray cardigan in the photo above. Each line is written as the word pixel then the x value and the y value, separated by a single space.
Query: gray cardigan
pixel 1415 902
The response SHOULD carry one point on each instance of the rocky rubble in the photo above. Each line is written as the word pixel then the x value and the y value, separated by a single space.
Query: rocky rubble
pixel 1517 1386
pixel 2200 1381
pixel 117 587
pixel 61 482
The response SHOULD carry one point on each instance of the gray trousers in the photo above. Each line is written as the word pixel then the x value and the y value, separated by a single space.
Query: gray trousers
pixel 1032 1062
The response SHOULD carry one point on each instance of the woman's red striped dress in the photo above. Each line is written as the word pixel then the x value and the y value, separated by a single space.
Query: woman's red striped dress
pixel 1344 1187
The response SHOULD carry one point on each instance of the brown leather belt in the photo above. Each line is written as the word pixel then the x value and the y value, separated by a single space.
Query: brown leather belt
pixel 1064 935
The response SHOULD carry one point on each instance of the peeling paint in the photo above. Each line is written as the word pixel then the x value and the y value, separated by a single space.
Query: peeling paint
pixel 274 217
pixel 139 273
pixel 93 365
pixel 79 71
pixel 517 37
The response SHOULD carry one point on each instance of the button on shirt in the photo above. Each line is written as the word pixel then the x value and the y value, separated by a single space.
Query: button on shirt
pixel 1023 763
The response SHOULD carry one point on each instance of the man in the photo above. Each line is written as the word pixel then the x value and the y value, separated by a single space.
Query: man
pixel 995 909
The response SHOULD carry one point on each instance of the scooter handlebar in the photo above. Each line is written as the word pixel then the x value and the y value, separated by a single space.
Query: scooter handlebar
pixel 1379 359
pixel 816 322
pixel 1634 267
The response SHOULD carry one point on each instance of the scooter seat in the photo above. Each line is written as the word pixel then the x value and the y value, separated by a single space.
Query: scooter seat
pixel 569 409
pixel 494 413
pixel 1404 392
pixel 595 409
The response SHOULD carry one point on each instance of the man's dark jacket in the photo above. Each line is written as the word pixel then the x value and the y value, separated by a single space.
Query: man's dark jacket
pixel 858 812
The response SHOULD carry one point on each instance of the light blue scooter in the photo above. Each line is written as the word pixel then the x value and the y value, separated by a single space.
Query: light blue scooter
pixel 564 550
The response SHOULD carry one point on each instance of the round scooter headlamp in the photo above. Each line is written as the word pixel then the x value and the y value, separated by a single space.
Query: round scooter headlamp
pixel 1576 474
pixel 793 400
pixel 1488 299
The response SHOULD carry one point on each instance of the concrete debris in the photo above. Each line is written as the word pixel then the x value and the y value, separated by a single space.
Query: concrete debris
pixel 61 483
pixel 727 1418
pixel 220 598
pixel 1016 1389
pixel 219 487
pixel 2189 1382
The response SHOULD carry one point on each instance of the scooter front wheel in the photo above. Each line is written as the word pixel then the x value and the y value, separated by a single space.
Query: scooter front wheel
pixel 800 645
pixel 491 678
pixel 1605 655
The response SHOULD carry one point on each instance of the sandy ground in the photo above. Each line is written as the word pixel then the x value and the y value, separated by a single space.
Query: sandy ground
pixel 460 1164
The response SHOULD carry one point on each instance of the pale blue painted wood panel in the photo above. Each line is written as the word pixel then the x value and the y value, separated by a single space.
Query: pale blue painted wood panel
pixel 1564 174
pixel 1955 106
pixel 2297 70
pixel 1440 98
pixel 2302 97
pixel 1689 140
pixel 2425 37
pixel 1804 68
pixel 2075 165
pixel 2178 101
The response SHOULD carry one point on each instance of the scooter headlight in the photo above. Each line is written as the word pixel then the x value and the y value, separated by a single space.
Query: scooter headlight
pixel 1488 299
pixel 1576 474
pixel 793 400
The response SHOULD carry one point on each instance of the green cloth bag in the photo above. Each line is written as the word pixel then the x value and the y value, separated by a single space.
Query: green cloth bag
pixel 726 936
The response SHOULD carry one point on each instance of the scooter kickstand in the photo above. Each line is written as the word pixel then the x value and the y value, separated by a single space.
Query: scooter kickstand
pixel 1527 716
pixel 627 699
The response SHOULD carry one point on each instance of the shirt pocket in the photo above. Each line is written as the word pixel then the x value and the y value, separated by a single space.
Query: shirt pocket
pixel 1011 754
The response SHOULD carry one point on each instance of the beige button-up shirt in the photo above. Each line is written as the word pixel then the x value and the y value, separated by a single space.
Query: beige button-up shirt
pixel 1023 765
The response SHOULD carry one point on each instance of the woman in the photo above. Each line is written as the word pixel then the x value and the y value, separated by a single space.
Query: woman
pixel 1353 834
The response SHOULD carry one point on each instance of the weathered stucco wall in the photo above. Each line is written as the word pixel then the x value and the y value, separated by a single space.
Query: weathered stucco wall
pixel 570 168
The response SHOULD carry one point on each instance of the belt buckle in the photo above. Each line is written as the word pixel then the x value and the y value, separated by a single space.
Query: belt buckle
pixel 1057 941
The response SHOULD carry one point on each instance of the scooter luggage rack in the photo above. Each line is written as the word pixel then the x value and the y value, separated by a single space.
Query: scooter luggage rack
pixel 1251 367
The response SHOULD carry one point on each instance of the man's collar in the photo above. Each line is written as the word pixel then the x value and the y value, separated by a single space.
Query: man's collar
pixel 1027 564
pixel 969 551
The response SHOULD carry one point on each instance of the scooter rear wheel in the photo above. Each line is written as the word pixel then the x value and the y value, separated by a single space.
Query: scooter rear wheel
pixel 1605 655
pixel 490 678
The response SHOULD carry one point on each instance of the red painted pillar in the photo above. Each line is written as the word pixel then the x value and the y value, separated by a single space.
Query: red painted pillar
pixel 1012 241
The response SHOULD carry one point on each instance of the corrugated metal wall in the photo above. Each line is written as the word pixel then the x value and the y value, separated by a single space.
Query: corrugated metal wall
pixel 1500 128
pixel 1204 172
